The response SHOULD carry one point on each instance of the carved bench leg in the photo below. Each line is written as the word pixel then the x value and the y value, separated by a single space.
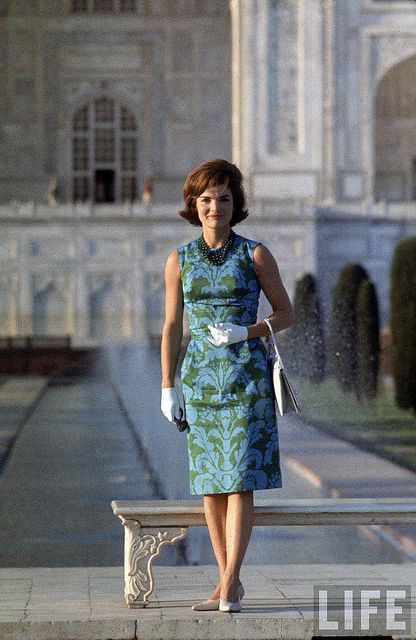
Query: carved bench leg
pixel 141 546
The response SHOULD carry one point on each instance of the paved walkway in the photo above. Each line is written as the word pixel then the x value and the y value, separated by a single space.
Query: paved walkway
pixel 348 472
pixel 87 603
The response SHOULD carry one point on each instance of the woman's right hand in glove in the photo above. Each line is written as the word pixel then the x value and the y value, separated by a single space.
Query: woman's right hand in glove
pixel 171 405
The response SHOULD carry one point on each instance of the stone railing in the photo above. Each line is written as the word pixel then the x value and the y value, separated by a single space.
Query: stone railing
pixel 371 209
pixel 36 211
pixel 296 208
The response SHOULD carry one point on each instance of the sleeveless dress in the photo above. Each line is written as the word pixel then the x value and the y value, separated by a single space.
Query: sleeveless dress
pixel 232 439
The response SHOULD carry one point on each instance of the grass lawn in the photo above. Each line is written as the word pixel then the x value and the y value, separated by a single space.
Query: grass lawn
pixel 379 427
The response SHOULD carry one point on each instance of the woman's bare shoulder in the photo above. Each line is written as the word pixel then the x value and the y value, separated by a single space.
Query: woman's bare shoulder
pixel 262 254
pixel 174 255
pixel 172 262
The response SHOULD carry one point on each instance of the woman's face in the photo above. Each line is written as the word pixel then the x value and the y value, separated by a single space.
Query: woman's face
pixel 215 207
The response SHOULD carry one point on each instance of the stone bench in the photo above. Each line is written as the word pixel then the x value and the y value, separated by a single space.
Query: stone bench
pixel 150 524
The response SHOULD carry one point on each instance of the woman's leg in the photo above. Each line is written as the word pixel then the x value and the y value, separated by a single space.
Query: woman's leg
pixel 215 507
pixel 238 527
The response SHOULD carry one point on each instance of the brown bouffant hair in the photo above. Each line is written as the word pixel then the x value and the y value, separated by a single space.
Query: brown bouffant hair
pixel 210 174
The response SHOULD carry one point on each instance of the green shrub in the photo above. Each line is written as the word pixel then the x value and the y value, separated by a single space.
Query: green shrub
pixel 368 342
pixel 343 327
pixel 403 322
pixel 307 337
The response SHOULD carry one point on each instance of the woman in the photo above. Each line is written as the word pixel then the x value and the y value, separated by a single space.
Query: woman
pixel 227 385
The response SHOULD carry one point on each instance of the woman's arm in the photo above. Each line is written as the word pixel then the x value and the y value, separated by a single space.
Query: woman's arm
pixel 173 326
pixel 270 281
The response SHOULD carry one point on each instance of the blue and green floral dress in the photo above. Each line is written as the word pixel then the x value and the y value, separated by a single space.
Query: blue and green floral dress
pixel 232 439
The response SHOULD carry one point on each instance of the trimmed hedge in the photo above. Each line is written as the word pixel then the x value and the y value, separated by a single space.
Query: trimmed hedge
pixel 343 327
pixel 368 342
pixel 307 336
pixel 403 322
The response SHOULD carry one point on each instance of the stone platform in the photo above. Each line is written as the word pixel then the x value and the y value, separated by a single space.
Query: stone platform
pixel 86 603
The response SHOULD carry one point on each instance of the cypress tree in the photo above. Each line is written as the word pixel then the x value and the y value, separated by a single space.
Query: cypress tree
pixel 307 336
pixel 403 322
pixel 293 345
pixel 343 326
pixel 368 343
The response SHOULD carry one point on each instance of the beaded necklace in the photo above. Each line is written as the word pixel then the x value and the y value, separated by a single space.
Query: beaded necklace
pixel 216 256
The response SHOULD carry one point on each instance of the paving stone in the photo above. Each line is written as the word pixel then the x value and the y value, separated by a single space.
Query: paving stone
pixel 288 613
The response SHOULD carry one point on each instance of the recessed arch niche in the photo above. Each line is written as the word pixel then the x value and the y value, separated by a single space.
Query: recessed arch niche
pixel 395 133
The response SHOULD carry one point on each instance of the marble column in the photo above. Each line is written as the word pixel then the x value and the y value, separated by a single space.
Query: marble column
pixel 243 81
pixel 328 186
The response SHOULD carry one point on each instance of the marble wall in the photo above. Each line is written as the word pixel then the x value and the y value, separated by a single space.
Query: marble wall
pixel 305 95
pixel 342 237
pixel 169 64
pixel 100 277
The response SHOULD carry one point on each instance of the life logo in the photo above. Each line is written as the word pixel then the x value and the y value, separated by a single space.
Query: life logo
pixel 375 609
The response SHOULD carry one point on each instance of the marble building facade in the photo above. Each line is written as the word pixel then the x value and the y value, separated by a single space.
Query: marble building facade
pixel 314 99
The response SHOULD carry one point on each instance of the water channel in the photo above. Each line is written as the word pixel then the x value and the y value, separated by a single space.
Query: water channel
pixel 90 440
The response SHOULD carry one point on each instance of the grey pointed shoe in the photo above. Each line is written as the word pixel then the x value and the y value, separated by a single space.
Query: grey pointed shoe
pixel 207 605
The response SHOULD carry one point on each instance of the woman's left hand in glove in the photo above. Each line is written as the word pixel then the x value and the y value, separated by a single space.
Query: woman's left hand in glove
pixel 227 333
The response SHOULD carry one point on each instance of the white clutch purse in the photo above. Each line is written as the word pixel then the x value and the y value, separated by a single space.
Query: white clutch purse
pixel 284 395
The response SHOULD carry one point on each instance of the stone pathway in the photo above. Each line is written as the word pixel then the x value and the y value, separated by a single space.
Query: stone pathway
pixel 87 603
pixel 346 471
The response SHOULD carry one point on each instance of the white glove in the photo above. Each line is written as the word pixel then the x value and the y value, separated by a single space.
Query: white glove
pixel 227 333
pixel 171 405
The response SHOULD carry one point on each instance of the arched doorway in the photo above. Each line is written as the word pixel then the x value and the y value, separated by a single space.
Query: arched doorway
pixel 104 152
pixel 110 313
pixel 50 312
pixel 395 133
